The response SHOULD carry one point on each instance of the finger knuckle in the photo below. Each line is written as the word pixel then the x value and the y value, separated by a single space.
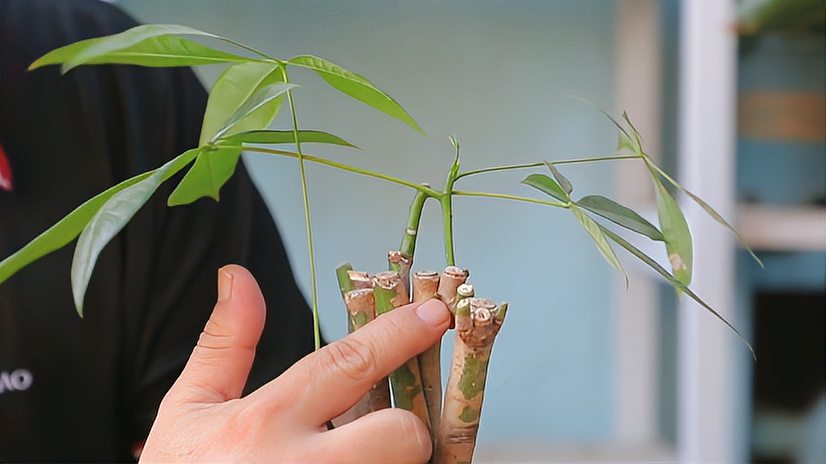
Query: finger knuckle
pixel 351 357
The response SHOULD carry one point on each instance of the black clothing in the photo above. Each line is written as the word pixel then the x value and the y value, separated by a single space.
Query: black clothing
pixel 88 389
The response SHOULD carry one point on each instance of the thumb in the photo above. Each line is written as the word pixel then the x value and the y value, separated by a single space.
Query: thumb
pixel 219 365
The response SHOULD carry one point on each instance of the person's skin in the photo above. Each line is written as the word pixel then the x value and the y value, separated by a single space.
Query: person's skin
pixel 203 418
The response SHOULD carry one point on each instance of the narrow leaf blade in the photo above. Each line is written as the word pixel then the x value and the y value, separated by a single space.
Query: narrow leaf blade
pixel 546 185
pixel 709 210
pixel 679 285
pixel 212 169
pixel 112 216
pixel 257 101
pixel 83 52
pixel 560 179
pixel 287 137
pixel 107 222
pixel 676 233
pixel 167 51
pixel 234 87
pixel 355 86
pixel 597 236
pixel 68 228
pixel 619 214
pixel 62 232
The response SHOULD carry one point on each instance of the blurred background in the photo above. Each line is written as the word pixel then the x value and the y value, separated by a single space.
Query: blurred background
pixel 728 95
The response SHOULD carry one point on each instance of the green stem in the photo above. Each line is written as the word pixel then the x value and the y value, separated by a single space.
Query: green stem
pixel 504 196
pixel 537 164
pixel 408 246
pixel 307 219
pixel 346 167
pixel 446 201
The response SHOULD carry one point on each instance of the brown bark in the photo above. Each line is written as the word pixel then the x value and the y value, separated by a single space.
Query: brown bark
pixel 477 323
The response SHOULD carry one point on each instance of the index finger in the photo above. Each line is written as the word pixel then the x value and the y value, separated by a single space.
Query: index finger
pixel 327 382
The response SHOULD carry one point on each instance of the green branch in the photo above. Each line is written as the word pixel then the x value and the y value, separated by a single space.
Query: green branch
pixel 346 167
pixel 537 164
pixel 503 196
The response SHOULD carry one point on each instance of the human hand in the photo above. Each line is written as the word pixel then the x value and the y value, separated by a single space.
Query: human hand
pixel 203 418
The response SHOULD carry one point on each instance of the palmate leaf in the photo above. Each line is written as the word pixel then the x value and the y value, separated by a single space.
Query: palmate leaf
pixel 234 105
pixel 676 233
pixel 265 137
pixel 165 50
pixel 546 185
pixel 355 86
pixel 599 239
pixel 619 214
pixel 111 217
pixel 679 285
pixel 86 51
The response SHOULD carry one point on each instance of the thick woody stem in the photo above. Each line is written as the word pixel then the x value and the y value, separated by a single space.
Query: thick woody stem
pixel 425 286
pixel 406 381
pixel 357 291
pixel 401 262
pixel 361 309
pixel 477 323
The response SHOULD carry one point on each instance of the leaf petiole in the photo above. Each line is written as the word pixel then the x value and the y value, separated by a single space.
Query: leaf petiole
pixel 346 167
pixel 504 196
pixel 538 164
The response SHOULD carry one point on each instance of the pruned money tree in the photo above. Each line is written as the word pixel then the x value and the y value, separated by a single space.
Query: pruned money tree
pixel 243 103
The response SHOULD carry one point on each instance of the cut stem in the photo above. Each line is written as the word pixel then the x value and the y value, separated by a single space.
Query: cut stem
pixel 406 381
pixel 477 323
pixel 425 287
pixel 361 309
pixel 401 263
pixel 357 292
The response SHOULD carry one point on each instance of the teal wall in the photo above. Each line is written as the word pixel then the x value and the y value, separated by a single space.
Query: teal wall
pixel 495 73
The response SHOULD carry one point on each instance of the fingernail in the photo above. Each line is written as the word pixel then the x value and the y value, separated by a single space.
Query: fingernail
pixel 433 312
pixel 224 285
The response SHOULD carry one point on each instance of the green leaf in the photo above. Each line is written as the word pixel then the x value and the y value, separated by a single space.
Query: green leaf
pixel 256 102
pixel 68 228
pixel 110 219
pixel 232 89
pixel 619 214
pixel 355 86
pixel 63 232
pixel 165 51
pixel 624 143
pixel 86 51
pixel 709 210
pixel 678 284
pixel 212 169
pixel 602 244
pixel 637 137
pixel 561 180
pixel 676 233
pixel 277 137
pixel 546 185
